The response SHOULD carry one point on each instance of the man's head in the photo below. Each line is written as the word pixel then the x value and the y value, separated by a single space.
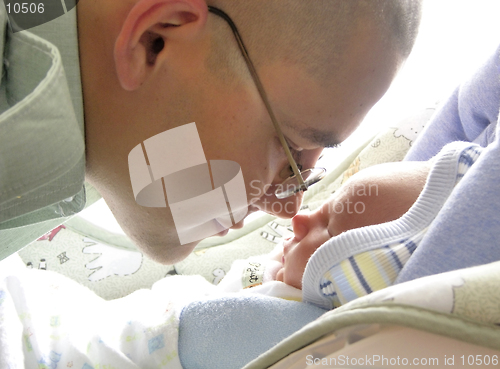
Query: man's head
pixel 152 65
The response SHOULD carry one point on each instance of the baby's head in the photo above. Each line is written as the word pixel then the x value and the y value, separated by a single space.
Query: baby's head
pixel 375 195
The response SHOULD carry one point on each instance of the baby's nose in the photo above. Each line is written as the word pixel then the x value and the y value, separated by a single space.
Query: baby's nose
pixel 300 225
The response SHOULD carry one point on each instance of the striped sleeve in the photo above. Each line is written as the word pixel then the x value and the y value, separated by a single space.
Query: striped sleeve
pixel 369 271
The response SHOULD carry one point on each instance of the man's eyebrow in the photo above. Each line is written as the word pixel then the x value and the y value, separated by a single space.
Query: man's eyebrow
pixel 320 137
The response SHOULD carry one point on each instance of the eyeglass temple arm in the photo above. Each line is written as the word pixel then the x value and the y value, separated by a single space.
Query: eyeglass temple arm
pixel 262 92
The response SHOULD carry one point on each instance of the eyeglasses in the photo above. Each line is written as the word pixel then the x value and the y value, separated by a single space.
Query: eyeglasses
pixel 299 180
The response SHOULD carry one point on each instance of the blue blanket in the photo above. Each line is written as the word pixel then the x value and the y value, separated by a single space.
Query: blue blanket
pixel 229 332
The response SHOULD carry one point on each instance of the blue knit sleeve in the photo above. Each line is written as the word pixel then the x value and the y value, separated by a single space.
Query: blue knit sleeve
pixel 467 230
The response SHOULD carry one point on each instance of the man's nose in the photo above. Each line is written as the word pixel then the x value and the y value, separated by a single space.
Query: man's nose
pixel 300 225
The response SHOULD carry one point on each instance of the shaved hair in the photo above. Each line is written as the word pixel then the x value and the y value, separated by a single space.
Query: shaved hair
pixel 311 33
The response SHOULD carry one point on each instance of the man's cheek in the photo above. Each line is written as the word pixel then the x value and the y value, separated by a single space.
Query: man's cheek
pixel 256 190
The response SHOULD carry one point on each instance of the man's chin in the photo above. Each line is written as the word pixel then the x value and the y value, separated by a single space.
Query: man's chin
pixel 168 255
pixel 223 233
pixel 239 225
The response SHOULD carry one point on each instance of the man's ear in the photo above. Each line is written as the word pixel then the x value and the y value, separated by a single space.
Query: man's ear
pixel 146 32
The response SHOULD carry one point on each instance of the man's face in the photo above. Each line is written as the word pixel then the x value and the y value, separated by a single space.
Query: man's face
pixel 242 131
pixel 232 122
pixel 311 117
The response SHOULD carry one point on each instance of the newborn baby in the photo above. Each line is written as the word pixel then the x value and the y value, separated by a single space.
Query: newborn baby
pixel 381 194
pixel 392 189
pixel 361 237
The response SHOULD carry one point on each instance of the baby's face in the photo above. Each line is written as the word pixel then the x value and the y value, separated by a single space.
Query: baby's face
pixel 310 232
pixel 375 195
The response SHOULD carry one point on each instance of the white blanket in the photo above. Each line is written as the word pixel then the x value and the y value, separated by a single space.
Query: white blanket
pixel 49 321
